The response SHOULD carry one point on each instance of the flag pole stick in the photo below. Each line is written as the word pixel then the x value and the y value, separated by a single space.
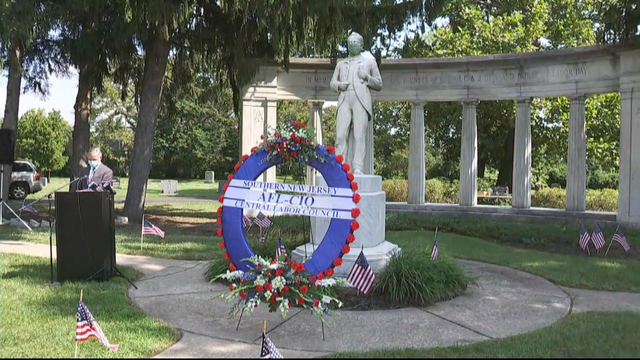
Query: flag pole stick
pixel 142 232
pixel 76 353
pixel 609 247
pixel 264 327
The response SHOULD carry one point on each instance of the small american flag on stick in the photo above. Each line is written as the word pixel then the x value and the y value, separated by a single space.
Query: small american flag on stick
pixel 280 248
pixel 262 220
pixel 361 275
pixel 26 207
pixel 598 237
pixel 621 239
pixel 246 221
pixel 584 238
pixel 149 229
pixel 87 327
pixel 434 250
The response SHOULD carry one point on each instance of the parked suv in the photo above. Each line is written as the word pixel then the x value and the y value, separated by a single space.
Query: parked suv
pixel 25 180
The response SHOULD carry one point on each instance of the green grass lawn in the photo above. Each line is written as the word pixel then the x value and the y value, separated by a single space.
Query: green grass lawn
pixel 189 188
pixel 586 335
pixel 39 321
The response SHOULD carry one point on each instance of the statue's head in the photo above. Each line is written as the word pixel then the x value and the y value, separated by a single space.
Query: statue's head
pixel 355 43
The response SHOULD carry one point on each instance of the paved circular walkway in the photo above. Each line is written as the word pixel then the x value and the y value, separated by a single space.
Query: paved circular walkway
pixel 506 302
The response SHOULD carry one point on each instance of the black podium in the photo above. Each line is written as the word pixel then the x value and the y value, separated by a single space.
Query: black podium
pixel 85 236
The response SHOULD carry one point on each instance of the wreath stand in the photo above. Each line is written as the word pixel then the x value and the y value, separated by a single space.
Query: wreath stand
pixel 304 233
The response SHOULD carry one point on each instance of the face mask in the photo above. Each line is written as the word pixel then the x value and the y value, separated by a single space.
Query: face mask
pixel 94 163
pixel 354 48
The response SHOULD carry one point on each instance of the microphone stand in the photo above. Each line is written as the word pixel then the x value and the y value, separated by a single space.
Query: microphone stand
pixel 49 194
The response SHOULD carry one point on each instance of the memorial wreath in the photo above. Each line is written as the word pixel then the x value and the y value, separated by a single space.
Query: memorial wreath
pixel 282 283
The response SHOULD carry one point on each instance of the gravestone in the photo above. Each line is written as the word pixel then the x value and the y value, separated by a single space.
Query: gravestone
pixel 208 176
pixel 221 185
pixel 44 181
pixel 169 187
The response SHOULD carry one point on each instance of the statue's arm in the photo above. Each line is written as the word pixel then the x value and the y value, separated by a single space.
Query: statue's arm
pixel 375 79
pixel 335 80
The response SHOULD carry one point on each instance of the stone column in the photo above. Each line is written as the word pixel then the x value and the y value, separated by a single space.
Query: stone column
pixel 521 192
pixel 315 121
pixel 469 156
pixel 629 183
pixel 416 155
pixel 258 116
pixel 577 157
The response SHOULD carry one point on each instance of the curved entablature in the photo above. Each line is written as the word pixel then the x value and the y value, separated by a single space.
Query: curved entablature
pixel 567 72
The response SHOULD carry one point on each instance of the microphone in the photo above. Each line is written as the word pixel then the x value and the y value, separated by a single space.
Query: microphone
pixel 92 186
pixel 107 187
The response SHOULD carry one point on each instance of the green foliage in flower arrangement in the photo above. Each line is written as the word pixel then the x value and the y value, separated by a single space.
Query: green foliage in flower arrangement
pixel 413 279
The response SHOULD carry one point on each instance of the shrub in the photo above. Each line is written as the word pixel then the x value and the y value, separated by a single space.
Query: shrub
pixel 602 200
pixel 600 179
pixel 397 190
pixel 413 279
pixel 549 198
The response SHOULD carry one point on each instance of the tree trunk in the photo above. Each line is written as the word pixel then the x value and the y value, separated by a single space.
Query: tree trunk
pixel 482 167
pixel 81 126
pixel 505 174
pixel 155 65
pixel 11 108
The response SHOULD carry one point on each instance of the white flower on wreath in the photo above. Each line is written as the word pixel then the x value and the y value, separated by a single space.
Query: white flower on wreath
pixel 325 282
pixel 278 282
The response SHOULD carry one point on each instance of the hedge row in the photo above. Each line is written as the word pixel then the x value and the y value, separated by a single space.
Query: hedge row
pixel 445 192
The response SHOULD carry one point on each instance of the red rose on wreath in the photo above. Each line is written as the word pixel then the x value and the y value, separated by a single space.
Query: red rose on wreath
pixel 285 289
pixel 356 198
pixel 231 287
pixel 235 168
pixel 226 256
pixel 220 232
pixel 351 238
pixel 254 149
pixel 337 262
pixel 355 225
pixel 339 158
pixel 316 303
pixel 346 249
pixel 331 149
pixel 225 186
pixel 302 125
pixel 267 286
pixel 259 288
pixel 346 167
pixel 279 272
pixel 219 220
pixel 304 289
pixel 354 186
pixel 232 267
pixel 350 176
pixel 221 198
pixel 230 177
pixel 220 210
pixel 242 294
pixel 329 272
pixel 244 158
pixel 300 300
pixel 355 212
pixel 320 276
pixel 221 244
pixel 312 279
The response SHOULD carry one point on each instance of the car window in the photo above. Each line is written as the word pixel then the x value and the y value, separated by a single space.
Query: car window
pixel 20 167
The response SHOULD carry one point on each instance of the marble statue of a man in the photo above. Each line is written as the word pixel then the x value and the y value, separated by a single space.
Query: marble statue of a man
pixel 354 78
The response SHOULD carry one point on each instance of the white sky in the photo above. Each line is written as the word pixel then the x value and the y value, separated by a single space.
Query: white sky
pixel 62 96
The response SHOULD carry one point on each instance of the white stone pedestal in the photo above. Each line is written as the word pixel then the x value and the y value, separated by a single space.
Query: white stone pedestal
pixel 370 234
